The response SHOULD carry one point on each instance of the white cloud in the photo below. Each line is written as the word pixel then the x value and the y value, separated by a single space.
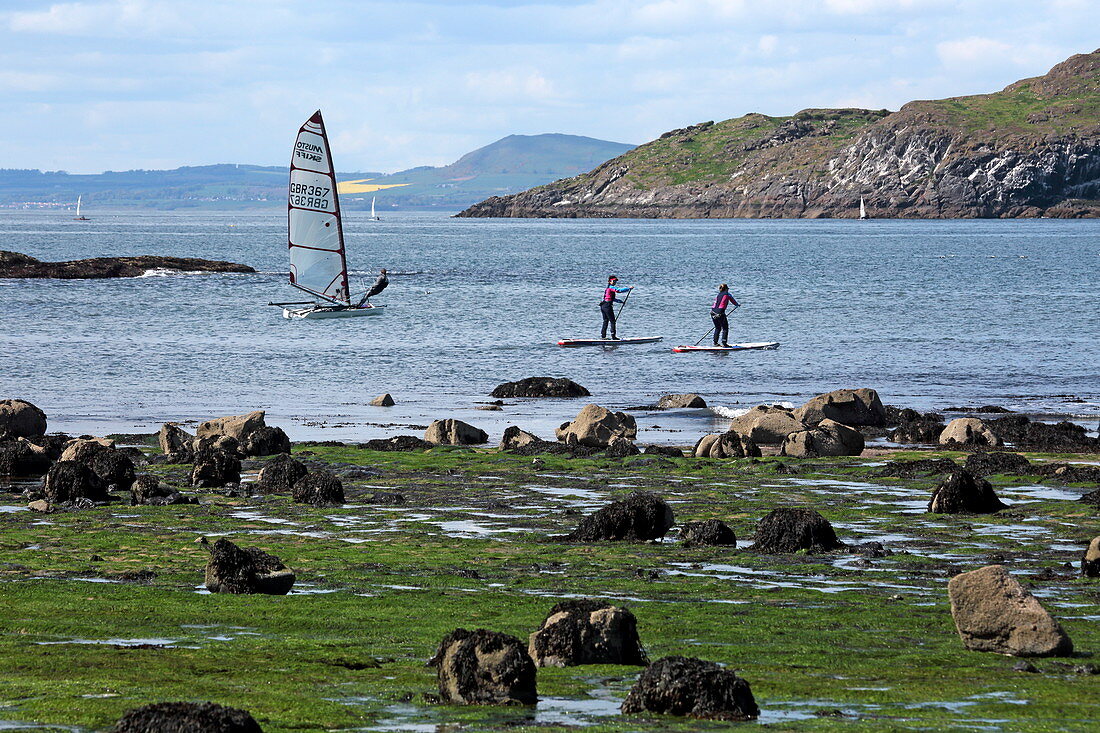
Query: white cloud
pixel 109 19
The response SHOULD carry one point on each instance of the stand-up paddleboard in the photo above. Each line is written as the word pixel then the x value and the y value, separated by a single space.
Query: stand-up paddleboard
pixel 610 342
pixel 758 346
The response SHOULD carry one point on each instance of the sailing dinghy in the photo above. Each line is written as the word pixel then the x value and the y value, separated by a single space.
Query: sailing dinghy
pixel 78 216
pixel 318 264
pixel 373 216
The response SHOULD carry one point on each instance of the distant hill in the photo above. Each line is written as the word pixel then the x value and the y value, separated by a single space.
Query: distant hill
pixel 1032 149
pixel 512 164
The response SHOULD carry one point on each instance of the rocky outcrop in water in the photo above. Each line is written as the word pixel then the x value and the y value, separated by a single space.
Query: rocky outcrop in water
pixel 691 687
pixel 14 264
pixel 969 431
pixel 827 438
pixel 253 435
pixel 540 387
pixel 726 445
pixel 853 407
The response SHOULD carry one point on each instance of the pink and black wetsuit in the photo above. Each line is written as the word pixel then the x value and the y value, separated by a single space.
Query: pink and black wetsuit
pixel 607 308
pixel 718 315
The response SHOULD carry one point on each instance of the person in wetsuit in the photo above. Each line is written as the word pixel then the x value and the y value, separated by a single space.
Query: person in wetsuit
pixel 607 306
pixel 379 285
pixel 718 314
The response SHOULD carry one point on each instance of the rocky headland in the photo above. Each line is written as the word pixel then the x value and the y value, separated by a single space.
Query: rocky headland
pixel 14 264
pixel 1030 150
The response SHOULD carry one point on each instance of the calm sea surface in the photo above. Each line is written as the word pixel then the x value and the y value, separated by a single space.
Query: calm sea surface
pixel 932 314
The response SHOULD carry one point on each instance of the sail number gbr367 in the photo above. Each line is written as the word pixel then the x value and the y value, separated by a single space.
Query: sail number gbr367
pixel 309 196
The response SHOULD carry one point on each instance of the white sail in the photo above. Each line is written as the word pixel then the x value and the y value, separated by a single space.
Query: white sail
pixel 78 206
pixel 372 207
pixel 862 209
pixel 316 238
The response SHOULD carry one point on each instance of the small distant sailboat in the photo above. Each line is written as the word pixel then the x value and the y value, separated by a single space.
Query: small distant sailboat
pixel 318 264
pixel 862 209
pixel 373 216
pixel 78 216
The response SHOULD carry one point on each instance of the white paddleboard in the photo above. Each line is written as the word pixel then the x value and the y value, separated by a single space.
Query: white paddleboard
pixel 757 346
pixel 610 342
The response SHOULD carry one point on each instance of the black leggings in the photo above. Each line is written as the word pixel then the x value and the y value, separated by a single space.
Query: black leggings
pixel 607 308
pixel 721 327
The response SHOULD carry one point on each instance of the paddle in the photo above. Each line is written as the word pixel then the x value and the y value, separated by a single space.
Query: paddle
pixel 628 292
pixel 711 328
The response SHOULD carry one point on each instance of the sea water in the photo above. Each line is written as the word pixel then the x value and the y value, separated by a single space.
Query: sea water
pixel 932 314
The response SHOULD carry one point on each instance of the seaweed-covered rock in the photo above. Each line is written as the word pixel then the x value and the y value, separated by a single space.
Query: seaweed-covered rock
pixel 267 440
pixel 187 717
pixel 319 488
pixel 961 492
pixel 484 668
pixel 663 450
pixel 515 437
pixel 1090 561
pixel 21 419
pixel 20 457
pixel 279 475
pixel 215 468
pixel 680 401
pixel 69 481
pixel 1069 473
pixel 969 431
pixel 246 570
pixel 726 445
pixel 640 516
pixel 621 448
pixel 540 387
pixel 397 443
pixel 693 687
pixel 1062 437
pixel 855 407
pixel 789 529
pixel 767 424
pixel 920 431
pixel 114 468
pixel 173 439
pixel 918 467
pixel 597 427
pixel 586 631
pixel 454 432
pixel 148 489
pixel 994 613
pixel 988 464
pixel 708 532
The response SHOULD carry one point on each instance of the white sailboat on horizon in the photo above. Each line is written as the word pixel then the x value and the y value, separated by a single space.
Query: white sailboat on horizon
pixel 373 216
pixel 78 217
pixel 862 209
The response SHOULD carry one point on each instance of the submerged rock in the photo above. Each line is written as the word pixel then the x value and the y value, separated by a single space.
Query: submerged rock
pixel 69 481
pixel 790 529
pixel 855 407
pixel 707 532
pixel 969 431
pixel 397 443
pixel 987 464
pixel 726 445
pixel 319 488
pixel 680 401
pixel 484 668
pixel 21 419
pixel 246 570
pixel 586 631
pixel 454 432
pixel 994 613
pixel 640 516
pixel 597 427
pixel 1090 561
pixel 540 387
pixel 961 492
pixel 187 717
pixel 693 687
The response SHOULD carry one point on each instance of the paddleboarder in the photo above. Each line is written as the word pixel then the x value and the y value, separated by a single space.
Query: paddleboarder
pixel 379 285
pixel 718 314
pixel 607 306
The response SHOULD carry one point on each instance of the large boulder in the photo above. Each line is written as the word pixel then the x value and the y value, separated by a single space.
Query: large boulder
pixel 994 613
pixel 252 434
pixel 174 440
pixel 640 516
pixel 969 431
pixel 246 570
pixel 20 457
pixel 266 441
pixel 708 532
pixel 515 437
pixel 680 401
pixel 540 387
pixel 454 432
pixel 961 492
pixel 597 427
pixel 692 687
pixel 997 462
pixel 828 438
pixel 382 400
pixel 83 450
pixel 279 475
pixel 215 468
pixel 586 631
pixel 847 406
pixel 790 529
pixel 484 668
pixel 187 717
pixel 115 468
pixel 767 424
pixel 70 480
pixel 726 445
pixel 1090 561
pixel 319 488
pixel 21 419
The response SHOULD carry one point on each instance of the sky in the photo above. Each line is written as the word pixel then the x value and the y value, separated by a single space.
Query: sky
pixel 102 85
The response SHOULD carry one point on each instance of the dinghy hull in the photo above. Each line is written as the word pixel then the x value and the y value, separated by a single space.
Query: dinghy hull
pixel 333 312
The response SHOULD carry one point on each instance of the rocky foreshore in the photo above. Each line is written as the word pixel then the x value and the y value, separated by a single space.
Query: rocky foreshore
pixel 16 265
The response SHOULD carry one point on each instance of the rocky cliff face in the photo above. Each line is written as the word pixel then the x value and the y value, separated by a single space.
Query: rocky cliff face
pixel 1032 149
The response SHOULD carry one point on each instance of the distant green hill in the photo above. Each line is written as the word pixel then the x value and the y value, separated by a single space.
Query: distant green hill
pixel 512 164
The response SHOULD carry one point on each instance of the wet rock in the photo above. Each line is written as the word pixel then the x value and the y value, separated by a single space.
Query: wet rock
pixel 68 481
pixel 621 448
pixel 586 631
pixel 114 468
pixel 397 443
pixel 187 717
pixel 174 439
pixel 514 437
pixel 790 529
pixel 53 444
pixel 1061 437
pixel 215 468
pixel 693 687
pixel 922 431
pixel 540 387
pixel 904 415
pixel 997 462
pixel 384 400
pixel 961 492
pixel 726 445
pixel 919 467
pixel 266 441
pixel 641 516
pixel 663 450
pixel 767 424
pixel 1069 473
pixel 454 432
pixel 855 407
pixel 829 438
pixel 147 489
pixel 680 401
pixel 708 532
pixel 319 488
pixel 83 450
pixel 279 475
pixel 20 457
pixel 21 419
pixel 484 668
pixel 246 570
pixel 597 427
pixel 994 613
pixel 1090 561
pixel 969 431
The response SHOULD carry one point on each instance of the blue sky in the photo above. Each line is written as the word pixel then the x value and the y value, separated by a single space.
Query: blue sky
pixel 118 84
